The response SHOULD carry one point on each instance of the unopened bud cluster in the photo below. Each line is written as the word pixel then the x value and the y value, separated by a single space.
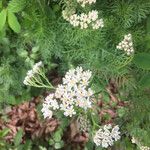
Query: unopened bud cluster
pixel 126 44
pixel 83 124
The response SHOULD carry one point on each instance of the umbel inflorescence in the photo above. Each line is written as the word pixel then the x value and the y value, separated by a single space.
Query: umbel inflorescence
pixel 106 136
pixel 126 44
pixel 36 77
pixel 141 147
pixel 73 93
pixel 73 98
pixel 83 20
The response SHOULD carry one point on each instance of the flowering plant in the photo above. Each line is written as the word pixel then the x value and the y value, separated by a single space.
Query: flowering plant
pixel 141 147
pixel 74 98
pixel 126 44
pixel 82 20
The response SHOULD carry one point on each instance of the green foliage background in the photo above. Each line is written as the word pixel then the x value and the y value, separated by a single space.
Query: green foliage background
pixel 38 32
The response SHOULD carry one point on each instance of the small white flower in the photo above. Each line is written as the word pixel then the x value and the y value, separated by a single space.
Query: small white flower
pixel 47 113
pixel 30 73
pixel 49 97
pixel 98 24
pixel 69 111
pixel 37 67
pixel 26 80
pixel 93 15
pixel 83 25
pixel 51 102
pixel 115 133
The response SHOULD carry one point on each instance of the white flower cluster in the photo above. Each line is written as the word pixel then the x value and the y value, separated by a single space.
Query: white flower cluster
pixel 84 20
pixel 84 2
pixel 107 135
pixel 135 141
pixel 144 148
pixel 49 103
pixel 126 44
pixel 31 73
pixel 73 93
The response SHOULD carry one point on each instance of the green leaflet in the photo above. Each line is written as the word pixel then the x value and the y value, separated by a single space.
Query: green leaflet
pixel 13 22
pixel 142 60
pixel 3 15
pixel 4 132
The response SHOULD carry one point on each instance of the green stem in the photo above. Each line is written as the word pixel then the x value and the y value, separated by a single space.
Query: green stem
pixel 40 84
pixel 45 78
pixel 127 61
pixel 94 123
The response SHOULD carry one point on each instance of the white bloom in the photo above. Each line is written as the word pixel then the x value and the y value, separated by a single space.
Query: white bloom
pixel 79 70
pixel 31 73
pixel 115 133
pixel 107 127
pixel 133 140
pixel 51 102
pixel 83 25
pixel 126 44
pixel 69 111
pixel 47 113
pixel 26 80
pixel 65 15
pixel 74 89
pixel 37 67
pixel 54 104
pixel 93 15
pixel 85 77
pixel 98 24
pixel 106 136
pixel 59 91
pixel 144 148
pixel 84 20
pixel 29 76
pixel 84 2
pixel 73 92
pixel 83 17
pixel 49 98
pixel 64 105
pixel 74 20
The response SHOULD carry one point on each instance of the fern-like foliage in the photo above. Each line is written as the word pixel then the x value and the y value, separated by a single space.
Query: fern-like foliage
pixel 58 42
pixel 17 5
